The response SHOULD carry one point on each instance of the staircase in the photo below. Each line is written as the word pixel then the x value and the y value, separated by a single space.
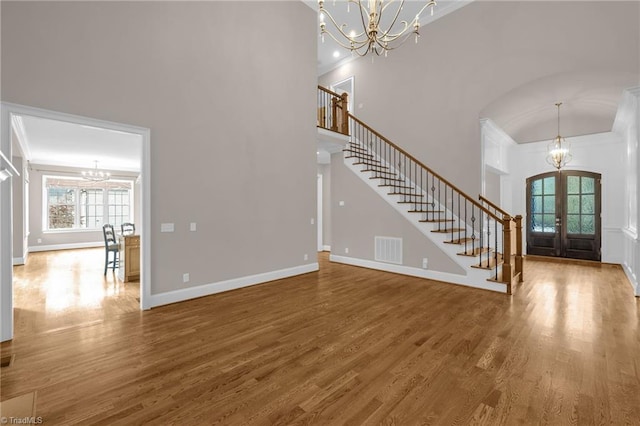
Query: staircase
pixel 479 236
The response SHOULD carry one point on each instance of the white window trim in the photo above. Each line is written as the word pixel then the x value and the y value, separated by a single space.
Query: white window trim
pixel 45 205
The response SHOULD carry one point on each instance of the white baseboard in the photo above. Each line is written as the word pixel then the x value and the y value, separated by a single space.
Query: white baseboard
pixel 465 280
pixel 213 288
pixel 326 248
pixel 66 246
pixel 21 260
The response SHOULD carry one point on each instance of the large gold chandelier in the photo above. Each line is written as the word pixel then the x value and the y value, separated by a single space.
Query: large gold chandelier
pixel 378 34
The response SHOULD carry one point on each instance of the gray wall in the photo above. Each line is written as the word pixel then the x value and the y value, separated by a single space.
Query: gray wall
pixel 366 215
pixel 232 136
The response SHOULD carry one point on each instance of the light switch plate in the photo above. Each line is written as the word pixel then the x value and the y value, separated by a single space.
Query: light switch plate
pixel 166 227
pixel 192 226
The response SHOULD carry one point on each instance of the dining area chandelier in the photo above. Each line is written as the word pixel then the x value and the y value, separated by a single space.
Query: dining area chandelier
pixel 384 26
pixel 96 175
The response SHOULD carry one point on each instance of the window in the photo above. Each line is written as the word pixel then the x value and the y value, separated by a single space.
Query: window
pixel 73 203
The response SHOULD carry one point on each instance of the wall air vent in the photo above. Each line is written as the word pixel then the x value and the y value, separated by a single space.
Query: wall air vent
pixel 388 249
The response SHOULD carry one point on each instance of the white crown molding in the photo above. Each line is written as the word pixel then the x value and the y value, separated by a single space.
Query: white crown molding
pixel 232 284
pixel 628 110
pixel 495 133
pixel 21 134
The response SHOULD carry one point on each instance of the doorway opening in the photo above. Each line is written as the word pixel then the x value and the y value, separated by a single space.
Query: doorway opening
pixel 346 86
pixel 563 215
pixel 82 214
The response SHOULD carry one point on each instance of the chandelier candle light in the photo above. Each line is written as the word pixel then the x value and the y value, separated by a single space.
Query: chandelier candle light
pixel 559 149
pixel 96 175
pixel 372 37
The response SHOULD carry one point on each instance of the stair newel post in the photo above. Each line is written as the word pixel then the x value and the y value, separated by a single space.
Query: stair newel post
pixel 345 113
pixel 519 269
pixel 334 114
pixel 507 272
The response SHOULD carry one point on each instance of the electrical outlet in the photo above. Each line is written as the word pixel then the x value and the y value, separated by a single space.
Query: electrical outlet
pixel 192 226
pixel 313 221
pixel 306 257
pixel 185 278
pixel 425 263
pixel 346 250
pixel 39 240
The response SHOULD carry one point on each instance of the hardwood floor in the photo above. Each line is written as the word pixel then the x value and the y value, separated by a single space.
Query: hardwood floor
pixel 344 346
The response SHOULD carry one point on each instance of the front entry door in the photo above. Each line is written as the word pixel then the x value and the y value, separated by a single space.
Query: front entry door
pixel 563 215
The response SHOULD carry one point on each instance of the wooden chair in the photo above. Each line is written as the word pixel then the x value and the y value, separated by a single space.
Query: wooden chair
pixel 110 246
pixel 128 228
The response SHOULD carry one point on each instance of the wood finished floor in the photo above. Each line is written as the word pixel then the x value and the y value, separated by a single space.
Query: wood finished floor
pixel 342 346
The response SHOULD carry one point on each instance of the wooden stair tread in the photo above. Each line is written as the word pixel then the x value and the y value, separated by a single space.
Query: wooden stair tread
pixel 435 220
pixel 492 262
pixel 386 178
pixel 359 157
pixel 405 193
pixel 426 211
pixel 501 279
pixel 459 241
pixel 396 186
pixel 417 203
pixel 474 252
pixel 360 163
pixel 444 231
pixel 379 171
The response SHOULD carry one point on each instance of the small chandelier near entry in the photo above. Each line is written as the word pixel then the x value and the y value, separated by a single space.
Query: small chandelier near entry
pixel 96 175
pixel 378 34
pixel 558 151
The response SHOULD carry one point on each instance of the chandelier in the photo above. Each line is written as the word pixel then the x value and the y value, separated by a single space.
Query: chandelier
pixel 96 175
pixel 377 35
pixel 558 151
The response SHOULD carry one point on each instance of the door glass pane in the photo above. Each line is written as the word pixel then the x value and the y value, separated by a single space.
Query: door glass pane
pixel 536 204
pixel 549 223
pixel 549 203
pixel 588 224
pixel 588 204
pixel 550 185
pixel 573 184
pixel 536 187
pixel 588 185
pixel 573 204
pixel 573 224
pixel 536 223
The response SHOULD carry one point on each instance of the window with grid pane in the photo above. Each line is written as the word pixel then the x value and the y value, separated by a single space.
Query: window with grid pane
pixel 74 203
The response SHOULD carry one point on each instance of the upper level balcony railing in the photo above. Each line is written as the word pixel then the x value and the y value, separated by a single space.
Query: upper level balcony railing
pixel 333 112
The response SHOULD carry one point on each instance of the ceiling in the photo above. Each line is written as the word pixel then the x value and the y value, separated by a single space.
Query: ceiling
pixel 331 55
pixel 60 143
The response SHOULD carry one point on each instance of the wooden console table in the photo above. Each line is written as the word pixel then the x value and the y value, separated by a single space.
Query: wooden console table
pixel 129 263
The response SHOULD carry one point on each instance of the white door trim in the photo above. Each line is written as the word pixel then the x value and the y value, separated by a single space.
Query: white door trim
pixel 319 214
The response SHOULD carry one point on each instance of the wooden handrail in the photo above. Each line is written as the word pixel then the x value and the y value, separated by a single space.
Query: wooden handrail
pixel 412 158
pixel 498 209
pixel 331 92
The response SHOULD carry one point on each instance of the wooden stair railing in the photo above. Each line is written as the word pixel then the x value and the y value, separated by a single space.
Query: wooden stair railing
pixel 333 111
pixel 480 232
pixel 516 235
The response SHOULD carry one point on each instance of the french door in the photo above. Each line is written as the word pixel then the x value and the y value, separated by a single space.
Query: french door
pixel 563 215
